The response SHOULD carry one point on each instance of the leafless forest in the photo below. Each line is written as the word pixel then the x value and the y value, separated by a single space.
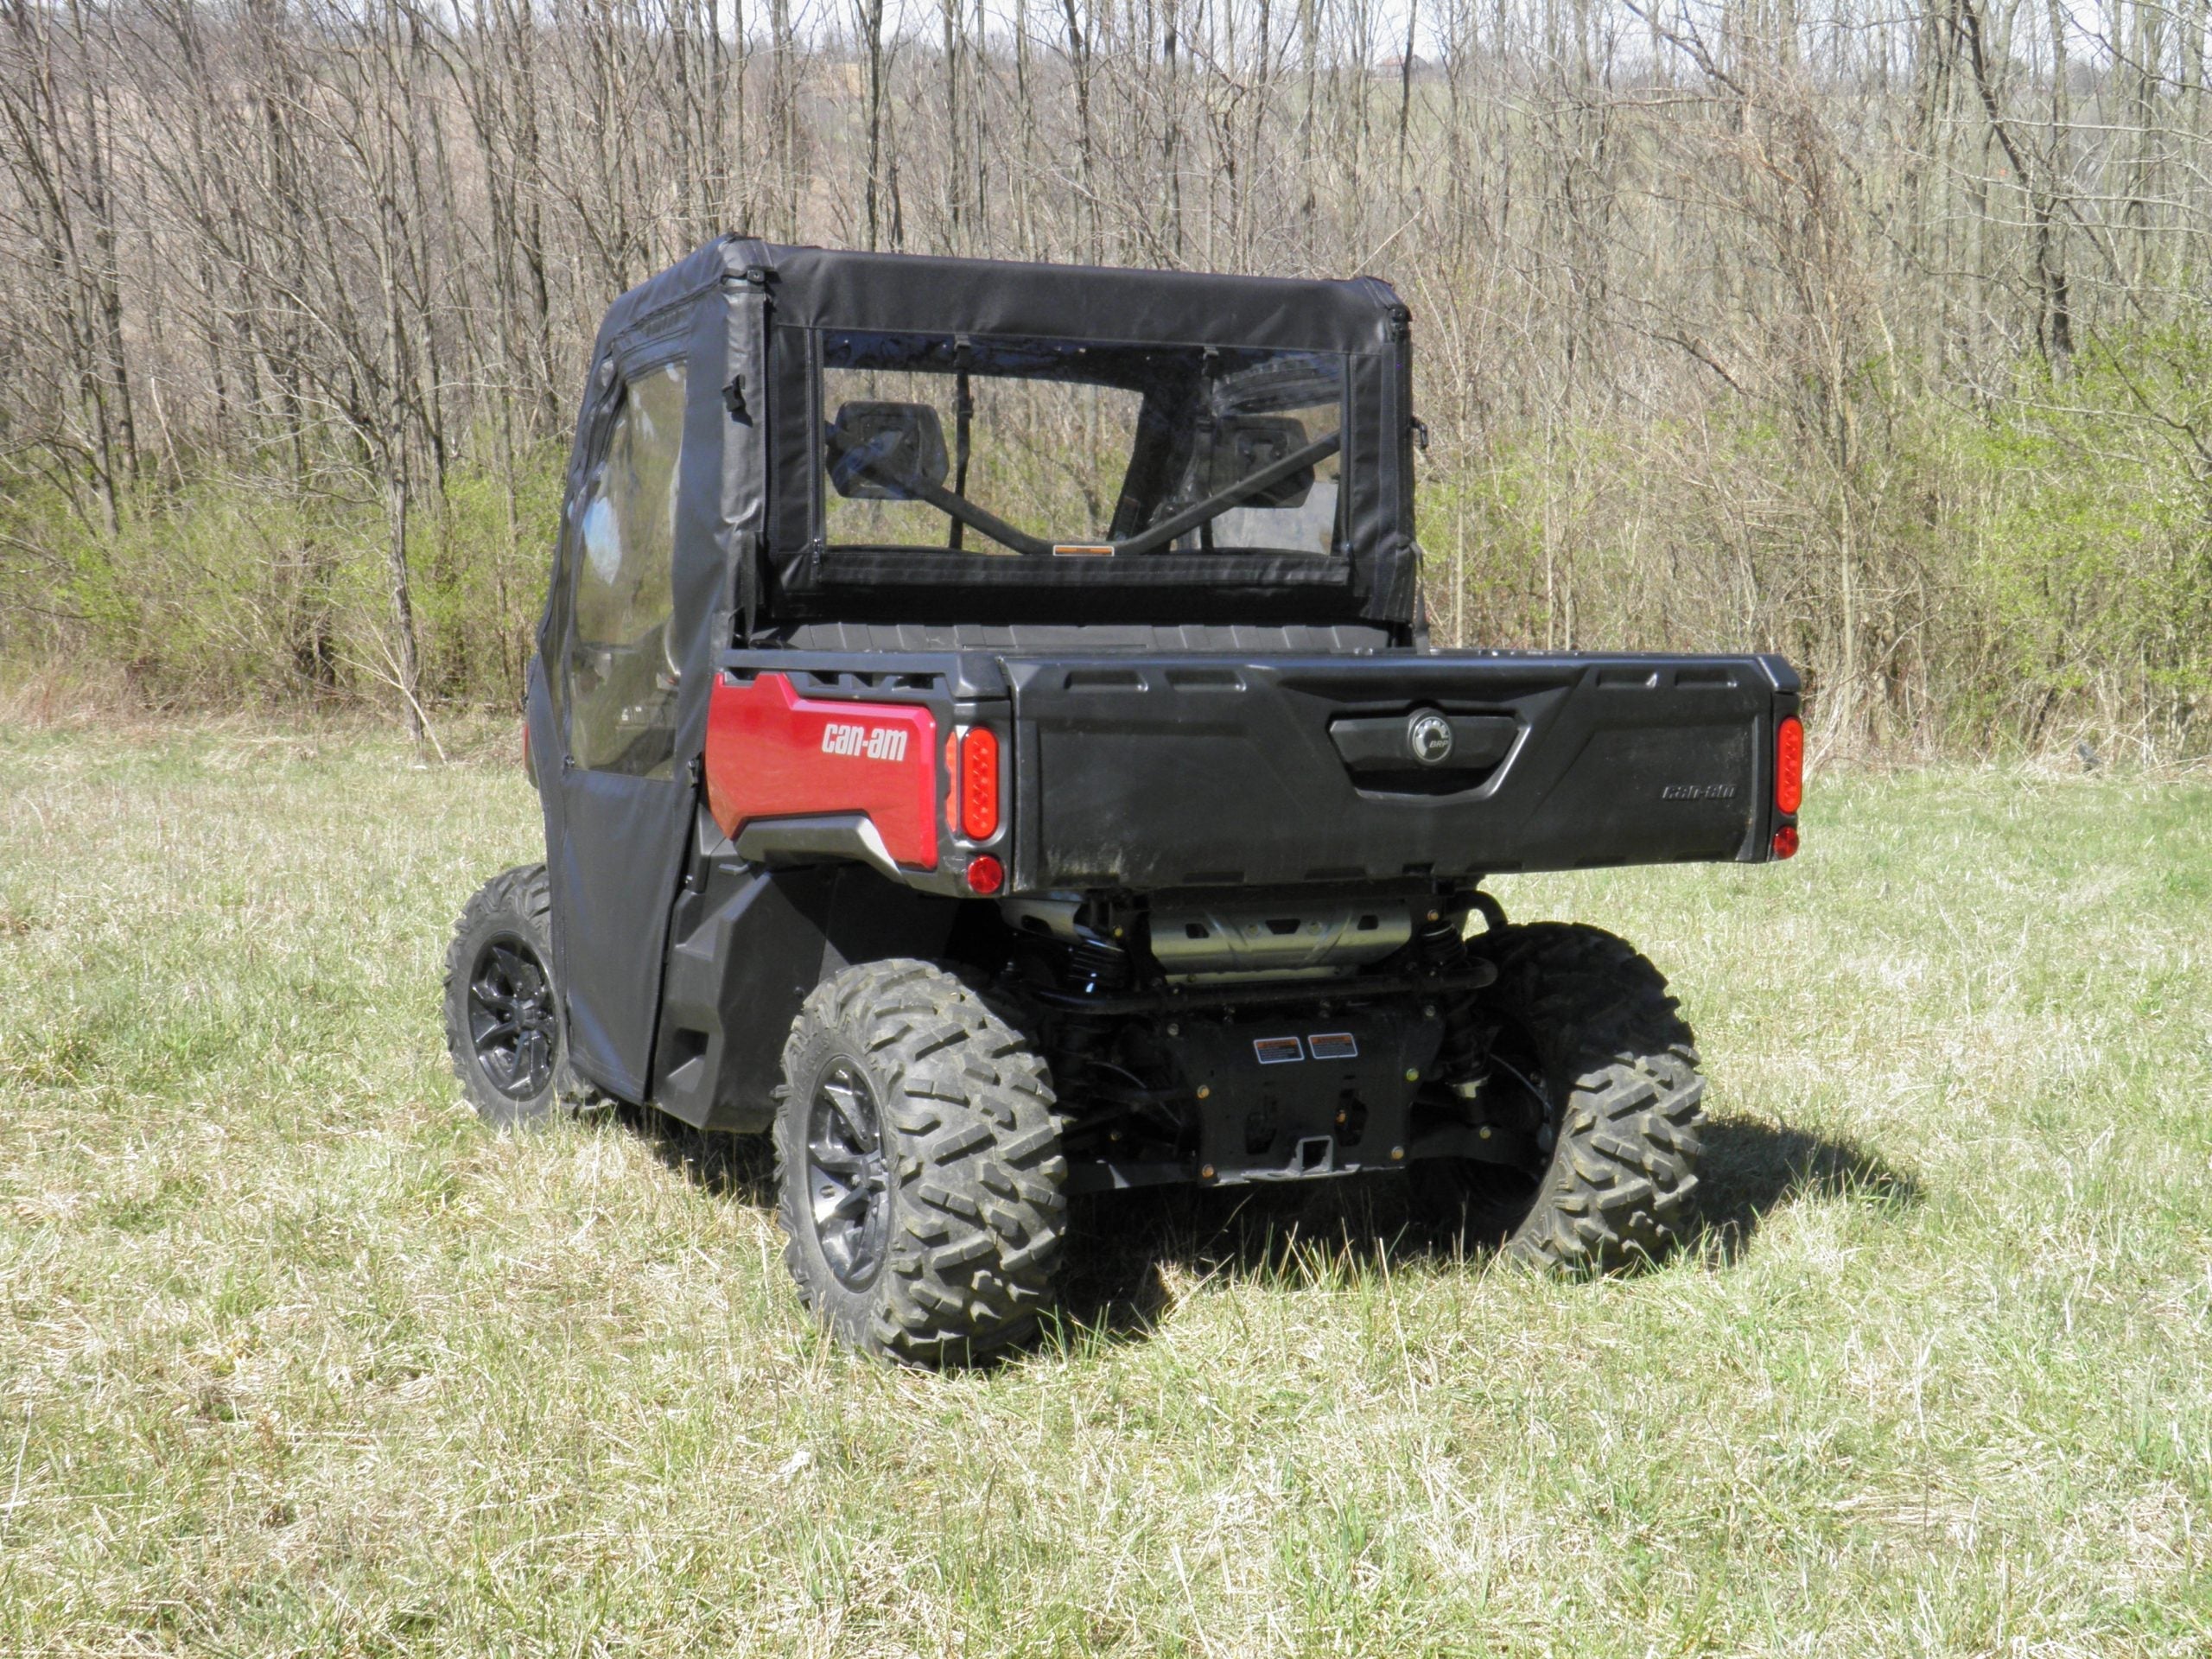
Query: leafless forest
pixel 1873 335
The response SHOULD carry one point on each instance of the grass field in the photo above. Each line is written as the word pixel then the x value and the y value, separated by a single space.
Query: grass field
pixel 294 1357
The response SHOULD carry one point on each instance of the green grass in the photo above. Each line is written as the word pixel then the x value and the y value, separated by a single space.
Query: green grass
pixel 297 1357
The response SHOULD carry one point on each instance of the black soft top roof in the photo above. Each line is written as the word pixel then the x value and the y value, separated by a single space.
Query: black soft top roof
pixel 749 307
pixel 915 293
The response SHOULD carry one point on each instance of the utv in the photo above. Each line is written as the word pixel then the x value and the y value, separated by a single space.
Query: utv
pixel 987 736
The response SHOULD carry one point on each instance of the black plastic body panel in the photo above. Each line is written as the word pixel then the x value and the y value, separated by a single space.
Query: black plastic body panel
pixel 746 946
pixel 1204 771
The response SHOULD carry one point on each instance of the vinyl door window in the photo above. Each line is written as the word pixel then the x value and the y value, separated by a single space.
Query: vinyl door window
pixel 621 667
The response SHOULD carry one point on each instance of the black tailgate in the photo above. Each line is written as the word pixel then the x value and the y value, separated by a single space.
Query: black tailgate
pixel 1203 770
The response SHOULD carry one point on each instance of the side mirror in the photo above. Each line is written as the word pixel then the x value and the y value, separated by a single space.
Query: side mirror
pixel 879 452
pixel 1242 445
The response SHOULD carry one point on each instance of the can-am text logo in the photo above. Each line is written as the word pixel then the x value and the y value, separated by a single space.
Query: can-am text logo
pixel 884 743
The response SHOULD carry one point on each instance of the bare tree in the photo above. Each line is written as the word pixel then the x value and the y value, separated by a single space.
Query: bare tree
pixel 1716 298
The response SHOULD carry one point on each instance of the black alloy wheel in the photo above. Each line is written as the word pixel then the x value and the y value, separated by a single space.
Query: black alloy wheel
pixel 848 1177
pixel 502 1008
pixel 919 1167
pixel 511 1021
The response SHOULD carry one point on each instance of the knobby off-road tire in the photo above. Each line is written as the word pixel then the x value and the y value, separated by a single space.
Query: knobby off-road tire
pixel 503 1017
pixel 1616 1069
pixel 920 1166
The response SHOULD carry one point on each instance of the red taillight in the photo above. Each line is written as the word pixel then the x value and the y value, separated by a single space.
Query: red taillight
pixel 986 875
pixel 1789 767
pixel 979 784
pixel 1785 841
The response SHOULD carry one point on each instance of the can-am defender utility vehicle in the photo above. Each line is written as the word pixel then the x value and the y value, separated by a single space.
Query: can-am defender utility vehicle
pixel 987 734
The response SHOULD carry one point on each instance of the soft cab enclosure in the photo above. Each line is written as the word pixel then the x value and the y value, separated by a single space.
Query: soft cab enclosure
pixel 1151 532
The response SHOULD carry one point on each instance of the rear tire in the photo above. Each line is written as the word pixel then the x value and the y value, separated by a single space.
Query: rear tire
pixel 502 1015
pixel 1616 1071
pixel 919 1167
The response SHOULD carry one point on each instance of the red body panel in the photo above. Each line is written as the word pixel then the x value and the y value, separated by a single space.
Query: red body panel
pixel 772 753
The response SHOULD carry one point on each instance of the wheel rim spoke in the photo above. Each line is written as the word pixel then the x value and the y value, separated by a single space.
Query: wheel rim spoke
pixel 511 1017
pixel 532 1061
pixel 847 1184
pixel 853 1206
pixel 836 1160
pixel 838 1250
pixel 845 1099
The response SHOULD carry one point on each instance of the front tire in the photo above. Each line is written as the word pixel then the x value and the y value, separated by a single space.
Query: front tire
pixel 502 1017
pixel 919 1167
pixel 1590 1044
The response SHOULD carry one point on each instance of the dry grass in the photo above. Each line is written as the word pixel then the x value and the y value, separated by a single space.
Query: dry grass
pixel 295 1357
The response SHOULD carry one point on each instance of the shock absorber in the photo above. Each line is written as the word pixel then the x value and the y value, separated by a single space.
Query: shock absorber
pixel 1086 1053
pixel 1097 967
pixel 1441 945
pixel 1091 965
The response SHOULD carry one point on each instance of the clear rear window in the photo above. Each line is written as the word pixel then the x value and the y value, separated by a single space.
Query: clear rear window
pixel 996 446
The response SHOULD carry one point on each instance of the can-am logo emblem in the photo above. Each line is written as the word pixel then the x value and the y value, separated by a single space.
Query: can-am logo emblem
pixel 1430 734
pixel 884 743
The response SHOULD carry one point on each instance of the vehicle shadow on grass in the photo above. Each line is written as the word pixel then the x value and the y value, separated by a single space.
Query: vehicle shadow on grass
pixel 1124 1249
pixel 1749 1170
pixel 740 1167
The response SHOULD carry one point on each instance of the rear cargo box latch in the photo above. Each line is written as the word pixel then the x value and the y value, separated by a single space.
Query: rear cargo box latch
pixel 1429 734
pixel 1428 752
